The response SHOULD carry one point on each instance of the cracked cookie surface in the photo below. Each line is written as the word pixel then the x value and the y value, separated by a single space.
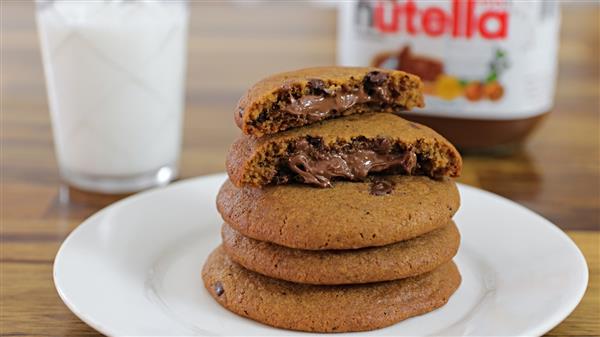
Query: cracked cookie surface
pixel 347 148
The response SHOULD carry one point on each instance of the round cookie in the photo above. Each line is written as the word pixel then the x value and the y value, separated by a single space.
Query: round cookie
pixel 391 262
pixel 320 308
pixel 261 110
pixel 346 148
pixel 347 216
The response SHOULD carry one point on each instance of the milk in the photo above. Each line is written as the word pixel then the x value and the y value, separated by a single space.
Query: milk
pixel 115 79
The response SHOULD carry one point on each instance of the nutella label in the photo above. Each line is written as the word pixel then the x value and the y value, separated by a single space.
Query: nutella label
pixel 478 59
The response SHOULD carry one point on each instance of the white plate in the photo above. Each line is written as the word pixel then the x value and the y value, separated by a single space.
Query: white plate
pixel 134 269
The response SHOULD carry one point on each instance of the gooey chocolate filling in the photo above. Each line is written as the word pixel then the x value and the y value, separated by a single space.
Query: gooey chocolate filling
pixel 318 166
pixel 324 102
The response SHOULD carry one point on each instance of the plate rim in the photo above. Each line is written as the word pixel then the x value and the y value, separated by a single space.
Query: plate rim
pixel 561 315
pixel 94 218
pixel 548 324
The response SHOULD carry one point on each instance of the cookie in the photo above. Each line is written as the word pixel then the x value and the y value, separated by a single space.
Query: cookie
pixel 350 215
pixel 391 262
pixel 347 148
pixel 302 97
pixel 320 308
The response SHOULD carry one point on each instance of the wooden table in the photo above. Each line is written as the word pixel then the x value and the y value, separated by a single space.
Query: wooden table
pixel 556 174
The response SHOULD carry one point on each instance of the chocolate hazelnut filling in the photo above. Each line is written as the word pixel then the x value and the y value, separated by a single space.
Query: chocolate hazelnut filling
pixel 324 102
pixel 318 166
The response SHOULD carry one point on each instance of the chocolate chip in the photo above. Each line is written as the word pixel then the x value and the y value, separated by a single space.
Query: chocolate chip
pixel 374 83
pixel 381 186
pixel 383 145
pixel 316 142
pixel 262 117
pixel 360 142
pixel 241 112
pixel 317 87
pixel 219 288
pixel 316 84
pixel 375 78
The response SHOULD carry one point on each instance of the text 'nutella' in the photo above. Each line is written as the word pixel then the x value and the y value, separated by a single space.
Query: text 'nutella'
pixel 488 67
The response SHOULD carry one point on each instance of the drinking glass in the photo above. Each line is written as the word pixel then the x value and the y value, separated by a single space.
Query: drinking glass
pixel 115 73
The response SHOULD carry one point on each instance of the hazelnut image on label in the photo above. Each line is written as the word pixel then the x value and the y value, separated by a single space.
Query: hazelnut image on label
pixel 448 87
pixel 493 91
pixel 474 91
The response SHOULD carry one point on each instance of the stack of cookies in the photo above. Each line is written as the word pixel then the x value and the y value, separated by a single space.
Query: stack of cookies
pixel 338 213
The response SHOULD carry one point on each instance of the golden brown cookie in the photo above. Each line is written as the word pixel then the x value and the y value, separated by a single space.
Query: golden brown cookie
pixel 348 148
pixel 391 262
pixel 302 97
pixel 320 308
pixel 349 215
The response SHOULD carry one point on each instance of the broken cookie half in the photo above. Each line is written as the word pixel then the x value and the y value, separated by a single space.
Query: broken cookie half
pixel 303 97
pixel 346 148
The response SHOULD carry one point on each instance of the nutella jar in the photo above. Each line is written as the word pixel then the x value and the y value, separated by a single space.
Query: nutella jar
pixel 489 67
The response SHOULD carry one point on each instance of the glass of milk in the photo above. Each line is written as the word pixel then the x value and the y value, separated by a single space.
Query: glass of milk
pixel 115 73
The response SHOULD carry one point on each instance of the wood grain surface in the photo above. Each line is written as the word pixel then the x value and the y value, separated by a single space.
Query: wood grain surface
pixel 557 172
